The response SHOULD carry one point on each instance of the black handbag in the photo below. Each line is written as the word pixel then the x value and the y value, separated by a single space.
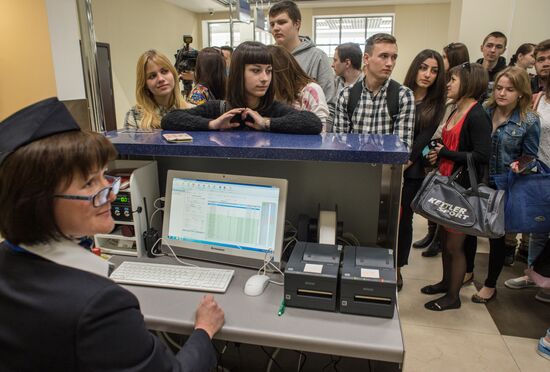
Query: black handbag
pixel 477 211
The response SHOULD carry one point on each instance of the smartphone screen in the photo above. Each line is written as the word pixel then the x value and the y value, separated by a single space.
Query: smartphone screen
pixel 526 162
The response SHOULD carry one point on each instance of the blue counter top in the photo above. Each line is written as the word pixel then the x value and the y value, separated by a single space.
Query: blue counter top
pixel 364 148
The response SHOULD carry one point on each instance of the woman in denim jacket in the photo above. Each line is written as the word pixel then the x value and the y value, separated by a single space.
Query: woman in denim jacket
pixel 516 132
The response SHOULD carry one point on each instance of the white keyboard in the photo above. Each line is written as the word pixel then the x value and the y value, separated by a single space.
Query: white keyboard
pixel 173 276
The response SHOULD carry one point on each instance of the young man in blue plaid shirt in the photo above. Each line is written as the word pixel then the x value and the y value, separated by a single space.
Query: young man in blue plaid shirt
pixel 371 113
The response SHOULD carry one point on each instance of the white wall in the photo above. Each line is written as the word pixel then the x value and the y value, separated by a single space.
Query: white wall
pixel 64 38
pixel 520 20
pixel 131 27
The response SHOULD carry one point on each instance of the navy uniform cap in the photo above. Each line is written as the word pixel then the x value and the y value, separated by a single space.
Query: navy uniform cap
pixel 39 120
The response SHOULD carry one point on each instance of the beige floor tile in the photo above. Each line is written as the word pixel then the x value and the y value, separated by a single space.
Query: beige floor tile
pixel 435 349
pixel 424 268
pixel 524 352
pixel 470 317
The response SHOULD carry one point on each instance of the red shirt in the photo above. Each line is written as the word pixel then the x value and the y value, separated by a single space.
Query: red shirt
pixel 450 139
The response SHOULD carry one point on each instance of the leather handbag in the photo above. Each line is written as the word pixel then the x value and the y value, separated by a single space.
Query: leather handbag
pixel 477 211
pixel 527 207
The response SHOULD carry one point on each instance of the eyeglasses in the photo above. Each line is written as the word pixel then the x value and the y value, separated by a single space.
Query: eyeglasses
pixel 101 197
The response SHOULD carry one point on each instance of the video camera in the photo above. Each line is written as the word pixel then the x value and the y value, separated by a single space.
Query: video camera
pixel 186 58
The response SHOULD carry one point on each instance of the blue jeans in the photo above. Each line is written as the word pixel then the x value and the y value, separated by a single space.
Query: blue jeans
pixel 536 246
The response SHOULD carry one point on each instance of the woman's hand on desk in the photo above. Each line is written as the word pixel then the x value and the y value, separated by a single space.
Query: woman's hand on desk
pixel 258 123
pixel 224 121
pixel 209 316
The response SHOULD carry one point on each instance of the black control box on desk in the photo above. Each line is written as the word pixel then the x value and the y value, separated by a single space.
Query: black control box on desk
pixel 311 276
pixel 368 282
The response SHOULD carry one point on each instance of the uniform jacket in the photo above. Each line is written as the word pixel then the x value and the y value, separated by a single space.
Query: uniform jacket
pixel 60 318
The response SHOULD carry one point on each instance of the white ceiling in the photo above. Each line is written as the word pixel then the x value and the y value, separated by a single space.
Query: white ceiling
pixel 204 6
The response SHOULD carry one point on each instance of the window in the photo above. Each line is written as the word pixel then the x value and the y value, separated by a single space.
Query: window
pixel 332 31
pixel 218 33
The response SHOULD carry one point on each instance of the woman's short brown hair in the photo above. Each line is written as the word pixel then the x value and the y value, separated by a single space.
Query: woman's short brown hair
pixel 474 80
pixel 30 177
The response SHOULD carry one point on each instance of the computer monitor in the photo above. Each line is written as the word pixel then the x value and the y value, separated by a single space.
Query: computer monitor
pixel 236 220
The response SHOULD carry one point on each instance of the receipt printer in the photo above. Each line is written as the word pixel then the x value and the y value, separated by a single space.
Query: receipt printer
pixel 311 276
pixel 367 282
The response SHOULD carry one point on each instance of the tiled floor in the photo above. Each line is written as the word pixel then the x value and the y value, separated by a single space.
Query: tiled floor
pixel 466 339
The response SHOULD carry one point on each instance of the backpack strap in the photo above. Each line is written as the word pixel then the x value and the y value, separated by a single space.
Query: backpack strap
pixel 353 99
pixel 392 100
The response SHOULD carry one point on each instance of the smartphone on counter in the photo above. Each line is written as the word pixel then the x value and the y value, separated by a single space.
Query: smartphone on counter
pixel 177 137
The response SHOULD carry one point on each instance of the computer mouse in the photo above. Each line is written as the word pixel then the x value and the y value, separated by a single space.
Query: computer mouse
pixel 256 284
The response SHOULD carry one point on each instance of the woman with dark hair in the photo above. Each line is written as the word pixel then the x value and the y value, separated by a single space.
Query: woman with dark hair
pixel 453 55
pixel 426 78
pixel 524 56
pixel 210 77
pixel 294 87
pixel 60 310
pixel 467 131
pixel 250 101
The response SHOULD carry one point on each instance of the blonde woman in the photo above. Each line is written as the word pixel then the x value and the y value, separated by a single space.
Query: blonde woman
pixel 157 91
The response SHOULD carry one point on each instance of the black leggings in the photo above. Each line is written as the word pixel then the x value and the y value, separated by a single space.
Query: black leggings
pixel 410 188
pixel 470 249
pixel 497 253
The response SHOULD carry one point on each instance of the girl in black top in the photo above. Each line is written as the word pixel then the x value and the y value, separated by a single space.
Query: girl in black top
pixel 468 130
pixel 250 101
pixel 426 78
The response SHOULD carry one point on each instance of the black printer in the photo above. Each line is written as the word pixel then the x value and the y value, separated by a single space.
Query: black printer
pixel 311 276
pixel 368 282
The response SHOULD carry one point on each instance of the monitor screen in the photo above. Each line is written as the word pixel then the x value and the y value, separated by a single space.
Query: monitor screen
pixel 225 218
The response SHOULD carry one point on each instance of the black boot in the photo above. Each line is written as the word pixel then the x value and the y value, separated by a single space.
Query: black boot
pixel 425 241
pixel 435 246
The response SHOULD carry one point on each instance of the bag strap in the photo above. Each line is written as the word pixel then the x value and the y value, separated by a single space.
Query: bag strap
pixel 536 100
pixel 392 100
pixel 472 172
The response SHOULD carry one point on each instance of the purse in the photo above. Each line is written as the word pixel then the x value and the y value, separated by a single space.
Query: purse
pixel 527 207
pixel 477 211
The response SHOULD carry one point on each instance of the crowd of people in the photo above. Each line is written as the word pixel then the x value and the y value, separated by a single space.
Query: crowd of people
pixel 446 110
pixel 494 110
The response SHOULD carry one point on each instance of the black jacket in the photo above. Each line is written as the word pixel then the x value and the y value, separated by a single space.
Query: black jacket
pixel 501 65
pixel 536 84
pixel 475 137
pixel 57 318
pixel 284 118
pixel 422 136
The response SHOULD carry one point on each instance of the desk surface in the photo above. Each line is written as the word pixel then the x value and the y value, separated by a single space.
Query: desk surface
pixel 366 148
pixel 254 320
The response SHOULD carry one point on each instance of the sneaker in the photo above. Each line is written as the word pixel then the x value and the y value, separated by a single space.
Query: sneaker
pixel 519 283
pixel 543 350
pixel 543 295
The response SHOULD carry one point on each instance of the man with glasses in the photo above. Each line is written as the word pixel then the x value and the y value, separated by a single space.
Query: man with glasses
pixel 494 45
pixel 383 106
pixel 542 66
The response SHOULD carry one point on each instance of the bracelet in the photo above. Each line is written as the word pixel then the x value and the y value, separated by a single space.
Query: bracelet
pixel 267 124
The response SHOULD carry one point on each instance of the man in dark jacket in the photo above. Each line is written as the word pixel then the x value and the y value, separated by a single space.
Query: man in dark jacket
pixel 493 46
